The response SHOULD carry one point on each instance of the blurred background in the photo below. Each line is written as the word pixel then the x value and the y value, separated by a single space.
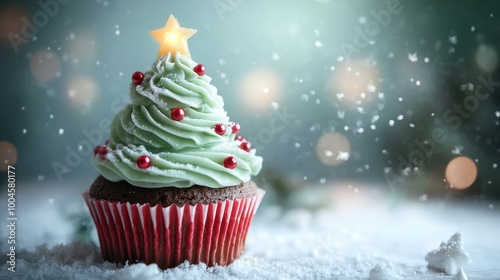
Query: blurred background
pixel 343 99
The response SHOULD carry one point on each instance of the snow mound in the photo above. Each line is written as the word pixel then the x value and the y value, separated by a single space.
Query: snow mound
pixel 450 257
pixel 383 272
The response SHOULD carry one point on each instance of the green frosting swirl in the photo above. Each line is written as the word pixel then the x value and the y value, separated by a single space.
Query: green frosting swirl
pixel 183 153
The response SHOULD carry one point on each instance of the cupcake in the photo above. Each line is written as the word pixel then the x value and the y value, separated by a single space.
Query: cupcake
pixel 175 181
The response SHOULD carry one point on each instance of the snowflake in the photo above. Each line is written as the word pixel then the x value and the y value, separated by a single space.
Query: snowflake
pixel 406 172
pixel 453 39
pixel 343 156
pixel 497 114
pixel 340 96
pixel 457 150
pixel 371 88
pixel 467 86
pixel 341 114
pixel 413 57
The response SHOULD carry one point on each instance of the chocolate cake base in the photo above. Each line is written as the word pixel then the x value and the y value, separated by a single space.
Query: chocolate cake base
pixel 123 191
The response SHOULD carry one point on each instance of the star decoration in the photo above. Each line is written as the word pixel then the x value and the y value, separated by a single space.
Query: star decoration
pixel 173 38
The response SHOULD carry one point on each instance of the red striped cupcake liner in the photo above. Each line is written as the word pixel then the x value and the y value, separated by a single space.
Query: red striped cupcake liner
pixel 213 233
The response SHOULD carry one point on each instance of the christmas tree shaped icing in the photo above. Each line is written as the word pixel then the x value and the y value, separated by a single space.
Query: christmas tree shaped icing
pixel 175 131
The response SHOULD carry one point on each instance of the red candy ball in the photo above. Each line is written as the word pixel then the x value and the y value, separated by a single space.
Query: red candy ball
pixel 246 146
pixel 230 162
pixel 199 69
pixel 177 114
pixel 96 150
pixel 143 162
pixel 240 138
pixel 220 129
pixel 137 77
pixel 235 128
pixel 102 152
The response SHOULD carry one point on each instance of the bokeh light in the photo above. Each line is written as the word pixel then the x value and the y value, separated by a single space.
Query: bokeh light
pixel 260 88
pixel 45 65
pixel 354 82
pixel 81 90
pixel 10 21
pixel 82 48
pixel 461 172
pixel 486 58
pixel 8 155
pixel 333 149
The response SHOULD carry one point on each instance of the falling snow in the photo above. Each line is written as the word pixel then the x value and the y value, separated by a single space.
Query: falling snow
pixel 391 122
pixel 453 39
pixel 61 131
pixel 343 156
pixel 467 87
pixel 275 105
pixel 413 57
pixel 371 88
pixel 457 150
pixel 275 57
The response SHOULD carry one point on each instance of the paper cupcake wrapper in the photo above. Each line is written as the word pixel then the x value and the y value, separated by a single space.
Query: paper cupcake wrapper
pixel 212 233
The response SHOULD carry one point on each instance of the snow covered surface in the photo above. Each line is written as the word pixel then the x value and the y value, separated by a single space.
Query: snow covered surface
pixel 364 235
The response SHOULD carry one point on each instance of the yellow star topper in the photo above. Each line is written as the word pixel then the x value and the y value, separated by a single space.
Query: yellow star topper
pixel 173 38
